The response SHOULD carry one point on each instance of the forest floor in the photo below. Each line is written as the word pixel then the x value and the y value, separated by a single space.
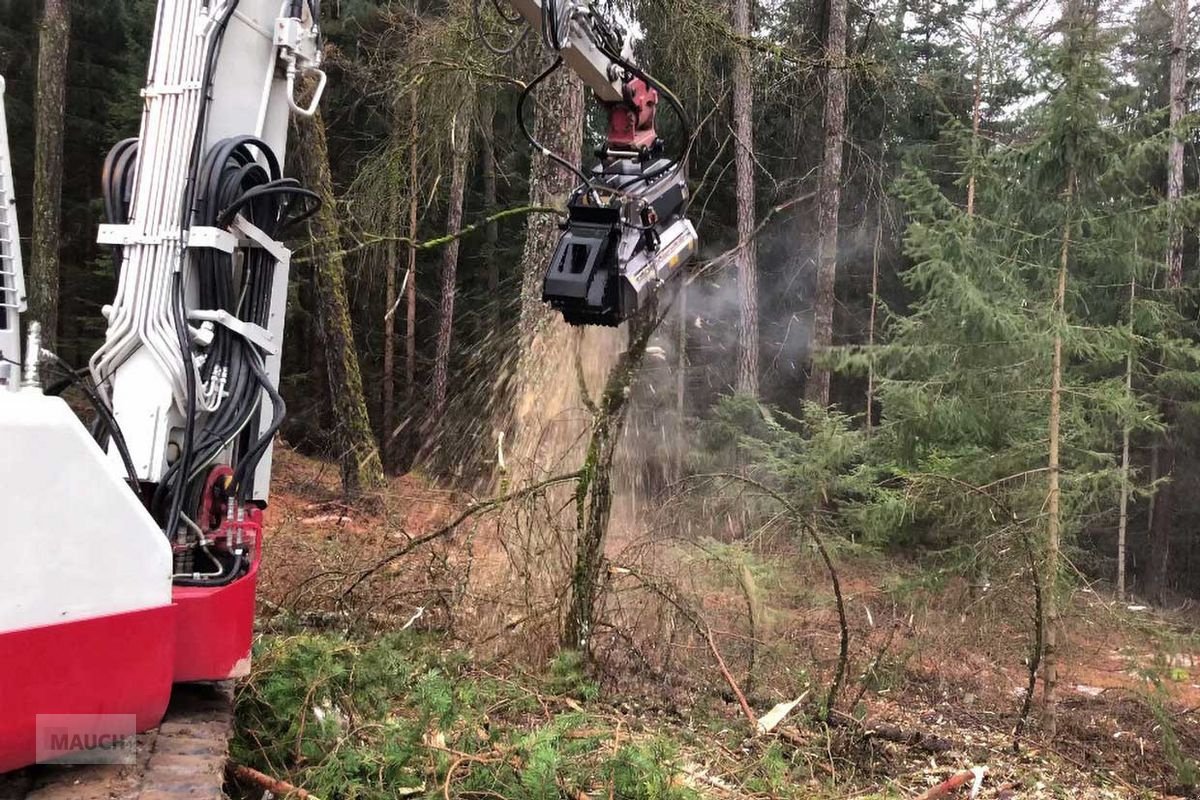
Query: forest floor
pixel 935 681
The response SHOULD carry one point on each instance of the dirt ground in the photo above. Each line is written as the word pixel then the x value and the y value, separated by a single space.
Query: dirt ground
pixel 934 684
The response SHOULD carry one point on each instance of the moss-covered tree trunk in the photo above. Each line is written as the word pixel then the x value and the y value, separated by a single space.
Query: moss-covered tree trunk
pixel 594 492
pixel 49 113
pixel 362 469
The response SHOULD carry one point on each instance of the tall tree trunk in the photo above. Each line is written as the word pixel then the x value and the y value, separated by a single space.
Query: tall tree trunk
pixel 747 254
pixel 410 317
pixel 362 470
pixel 1162 523
pixel 487 166
pixel 976 117
pixel 870 415
pixel 681 374
pixel 460 142
pixel 558 125
pixel 1053 496
pixel 49 113
pixel 391 303
pixel 387 414
pixel 1123 519
pixel 829 197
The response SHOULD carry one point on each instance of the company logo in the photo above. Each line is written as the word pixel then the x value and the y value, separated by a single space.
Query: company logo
pixel 86 738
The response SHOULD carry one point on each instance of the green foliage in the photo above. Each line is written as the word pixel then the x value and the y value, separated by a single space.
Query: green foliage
pixel 352 720
pixel 637 770
pixel 1158 700
pixel 569 676
pixel 821 461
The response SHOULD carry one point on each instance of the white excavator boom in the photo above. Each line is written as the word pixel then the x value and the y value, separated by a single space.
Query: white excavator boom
pixel 12 276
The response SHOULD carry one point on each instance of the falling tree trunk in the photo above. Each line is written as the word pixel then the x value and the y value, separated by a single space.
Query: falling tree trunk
pixel 829 197
pixel 545 420
pixel 747 259
pixel 487 168
pixel 410 317
pixel 558 125
pixel 460 140
pixel 362 470
pixel 1053 494
pixel 49 112
pixel 1162 522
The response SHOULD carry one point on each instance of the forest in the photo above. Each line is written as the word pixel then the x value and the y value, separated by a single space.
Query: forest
pixel 885 495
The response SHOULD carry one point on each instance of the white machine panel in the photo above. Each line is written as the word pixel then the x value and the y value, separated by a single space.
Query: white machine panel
pixel 83 546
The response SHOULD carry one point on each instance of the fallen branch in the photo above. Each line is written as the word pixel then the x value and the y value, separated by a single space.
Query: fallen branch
pixel 875 729
pixel 974 775
pixel 737 692
pixel 449 527
pixel 844 648
pixel 281 789
pixel 704 629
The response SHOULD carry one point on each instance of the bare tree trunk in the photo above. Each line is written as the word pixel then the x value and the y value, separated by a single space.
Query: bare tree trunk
pixel 558 125
pixel 362 470
pixel 1178 88
pixel 747 254
pixel 387 414
pixel 975 120
pixel 1162 523
pixel 1053 498
pixel 460 142
pixel 391 303
pixel 49 113
pixel 1123 520
pixel 487 166
pixel 410 317
pixel 829 198
pixel 871 319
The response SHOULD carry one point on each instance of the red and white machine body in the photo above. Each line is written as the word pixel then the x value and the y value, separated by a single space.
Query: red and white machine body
pixel 102 609
pixel 133 565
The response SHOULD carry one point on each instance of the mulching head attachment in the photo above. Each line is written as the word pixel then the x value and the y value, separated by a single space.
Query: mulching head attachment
pixel 625 236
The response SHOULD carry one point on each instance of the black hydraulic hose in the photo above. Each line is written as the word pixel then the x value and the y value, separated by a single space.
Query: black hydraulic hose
pixel 102 412
pixel 243 474
pixel 116 181
pixel 185 460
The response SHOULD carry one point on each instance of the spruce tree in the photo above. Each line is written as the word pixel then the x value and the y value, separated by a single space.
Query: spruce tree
pixel 1003 386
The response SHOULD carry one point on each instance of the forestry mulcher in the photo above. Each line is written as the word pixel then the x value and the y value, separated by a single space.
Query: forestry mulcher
pixel 132 548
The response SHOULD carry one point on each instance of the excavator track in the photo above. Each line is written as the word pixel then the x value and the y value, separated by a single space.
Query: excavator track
pixel 183 759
